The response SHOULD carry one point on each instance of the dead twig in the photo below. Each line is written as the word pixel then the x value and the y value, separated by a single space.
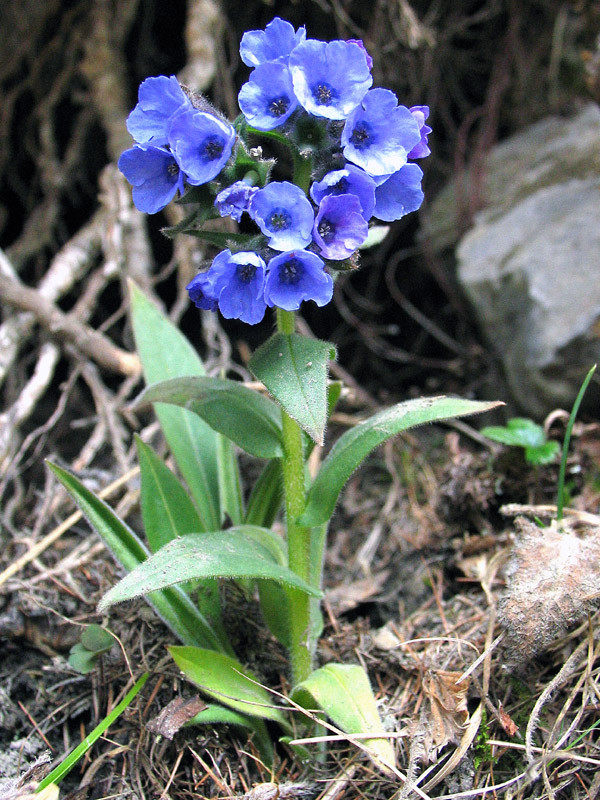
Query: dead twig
pixel 64 327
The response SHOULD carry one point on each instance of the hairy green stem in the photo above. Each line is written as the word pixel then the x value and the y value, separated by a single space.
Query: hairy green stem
pixel 302 171
pixel 298 537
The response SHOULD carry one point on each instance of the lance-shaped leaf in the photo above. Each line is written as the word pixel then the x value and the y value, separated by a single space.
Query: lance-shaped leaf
pixel 344 693
pixel 172 605
pixel 356 444
pixel 244 416
pixel 294 370
pixel 235 553
pixel 266 496
pixel 230 485
pixel 167 511
pixel 225 679
pixel 166 353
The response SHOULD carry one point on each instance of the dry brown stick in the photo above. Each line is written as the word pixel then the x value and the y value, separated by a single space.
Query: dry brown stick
pixel 65 327
pixel 202 28
pixel 67 267
pixel 23 407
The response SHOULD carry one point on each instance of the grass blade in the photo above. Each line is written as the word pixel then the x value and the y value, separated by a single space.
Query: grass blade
pixel 67 764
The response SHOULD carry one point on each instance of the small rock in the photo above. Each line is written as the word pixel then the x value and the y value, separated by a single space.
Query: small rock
pixel 530 263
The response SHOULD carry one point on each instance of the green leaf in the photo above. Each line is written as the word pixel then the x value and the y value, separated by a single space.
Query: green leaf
pixel 266 496
pixel 356 444
pixel 334 390
pixel 248 130
pixel 230 489
pixel 250 420
pixel 275 610
pixel 274 601
pixel 543 454
pixel 234 553
pixel 172 605
pixel 269 540
pixel 97 639
pixel 166 353
pixel 225 679
pixel 167 511
pixel 82 660
pixel 519 431
pixel 344 693
pixel 294 370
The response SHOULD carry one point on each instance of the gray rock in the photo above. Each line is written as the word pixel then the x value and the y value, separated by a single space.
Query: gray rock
pixel 530 264
pixel 541 155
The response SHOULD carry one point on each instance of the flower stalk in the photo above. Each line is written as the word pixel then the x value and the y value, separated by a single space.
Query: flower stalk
pixel 298 537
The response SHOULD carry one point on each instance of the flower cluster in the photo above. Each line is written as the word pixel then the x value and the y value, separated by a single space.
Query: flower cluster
pixel 175 143
pixel 356 146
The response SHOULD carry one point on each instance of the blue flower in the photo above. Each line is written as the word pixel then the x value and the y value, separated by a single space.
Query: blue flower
pixel 154 175
pixel 284 214
pixel 201 292
pixel 330 78
pixel 159 100
pixel 296 276
pixel 268 99
pixel 238 283
pixel 202 144
pixel 379 134
pixel 340 227
pixel 400 194
pixel 275 43
pixel 350 180
pixel 420 113
pixel 360 43
pixel 235 199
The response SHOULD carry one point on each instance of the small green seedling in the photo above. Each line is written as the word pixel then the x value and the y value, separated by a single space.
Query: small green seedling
pixel 94 641
pixel 525 433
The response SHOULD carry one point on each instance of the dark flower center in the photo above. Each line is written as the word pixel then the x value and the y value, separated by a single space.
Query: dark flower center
pixel 212 148
pixel 326 230
pixel 341 187
pixel 173 169
pixel 245 272
pixel 361 136
pixel 279 220
pixel 291 271
pixel 279 105
pixel 324 93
